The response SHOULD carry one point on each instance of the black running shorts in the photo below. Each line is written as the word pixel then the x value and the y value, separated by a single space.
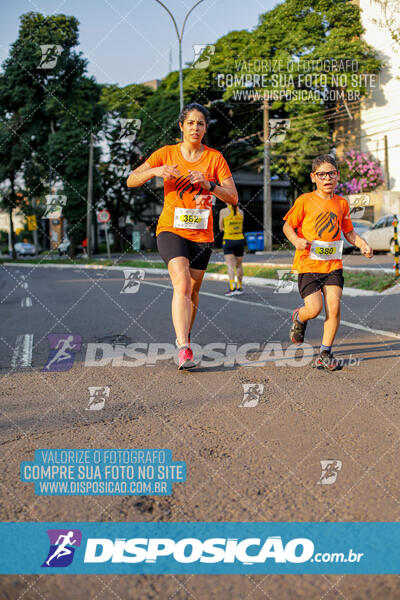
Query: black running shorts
pixel 235 247
pixel 170 245
pixel 313 282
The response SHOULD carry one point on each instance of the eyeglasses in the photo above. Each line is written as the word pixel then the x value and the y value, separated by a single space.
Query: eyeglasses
pixel 323 174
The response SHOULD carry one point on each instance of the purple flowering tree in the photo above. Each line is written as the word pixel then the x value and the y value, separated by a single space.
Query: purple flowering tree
pixel 359 172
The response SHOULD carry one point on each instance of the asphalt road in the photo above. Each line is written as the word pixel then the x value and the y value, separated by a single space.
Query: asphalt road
pixel 249 458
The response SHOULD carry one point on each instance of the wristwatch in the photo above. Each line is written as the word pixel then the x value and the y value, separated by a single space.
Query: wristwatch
pixel 212 186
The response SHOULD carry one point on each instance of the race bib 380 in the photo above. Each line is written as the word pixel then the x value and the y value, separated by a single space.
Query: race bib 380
pixel 326 250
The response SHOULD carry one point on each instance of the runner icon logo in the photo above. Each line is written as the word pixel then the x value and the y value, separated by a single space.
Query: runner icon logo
pixel 358 204
pixel 97 397
pixel 129 129
pixel 133 277
pixel 54 206
pixel 50 54
pixel 62 547
pixel 286 281
pixel 278 129
pixel 202 55
pixel 330 469
pixel 251 394
pixel 63 347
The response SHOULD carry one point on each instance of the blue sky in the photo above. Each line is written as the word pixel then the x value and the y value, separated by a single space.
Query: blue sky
pixel 129 41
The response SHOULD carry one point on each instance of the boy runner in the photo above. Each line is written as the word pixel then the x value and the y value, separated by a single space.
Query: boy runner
pixel 319 217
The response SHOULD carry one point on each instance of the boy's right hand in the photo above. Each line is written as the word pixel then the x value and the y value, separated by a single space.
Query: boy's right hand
pixel 301 244
pixel 166 171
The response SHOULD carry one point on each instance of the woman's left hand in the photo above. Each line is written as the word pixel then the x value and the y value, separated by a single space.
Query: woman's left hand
pixel 198 177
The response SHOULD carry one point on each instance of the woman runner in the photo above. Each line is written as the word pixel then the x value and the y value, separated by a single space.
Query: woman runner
pixel 231 223
pixel 192 174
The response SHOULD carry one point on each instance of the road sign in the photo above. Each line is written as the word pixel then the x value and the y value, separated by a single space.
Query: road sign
pixel 32 223
pixel 103 216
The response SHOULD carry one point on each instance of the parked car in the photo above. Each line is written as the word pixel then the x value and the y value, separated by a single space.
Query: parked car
pixel 24 249
pixel 381 235
pixel 360 227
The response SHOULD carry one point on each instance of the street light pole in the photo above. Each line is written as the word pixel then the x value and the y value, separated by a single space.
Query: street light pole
pixel 180 38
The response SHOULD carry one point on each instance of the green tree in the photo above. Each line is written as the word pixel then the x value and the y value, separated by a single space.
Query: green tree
pixel 295 38
pixel 47 113
pixel 123 154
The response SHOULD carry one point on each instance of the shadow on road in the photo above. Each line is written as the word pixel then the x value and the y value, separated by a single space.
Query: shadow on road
pixel 369 350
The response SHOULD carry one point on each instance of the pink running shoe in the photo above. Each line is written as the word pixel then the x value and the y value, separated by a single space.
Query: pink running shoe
pixel 186 358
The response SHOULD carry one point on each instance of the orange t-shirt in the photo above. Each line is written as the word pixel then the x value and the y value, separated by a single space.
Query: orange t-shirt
pixel 318 219
pixel 181 193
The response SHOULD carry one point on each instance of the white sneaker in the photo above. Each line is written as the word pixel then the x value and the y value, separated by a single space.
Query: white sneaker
pixel 230 293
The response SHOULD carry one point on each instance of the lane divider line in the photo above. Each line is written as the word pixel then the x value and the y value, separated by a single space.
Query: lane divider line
pixel 22 355
pixel 26 302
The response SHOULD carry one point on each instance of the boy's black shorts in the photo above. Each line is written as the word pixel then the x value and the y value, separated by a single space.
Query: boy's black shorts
pixel 312 282
pixel 170 245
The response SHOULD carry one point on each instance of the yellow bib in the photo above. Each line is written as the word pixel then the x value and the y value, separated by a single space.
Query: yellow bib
pixel 233 226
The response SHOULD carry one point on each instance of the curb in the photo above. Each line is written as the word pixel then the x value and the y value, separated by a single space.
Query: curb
pixel 247 280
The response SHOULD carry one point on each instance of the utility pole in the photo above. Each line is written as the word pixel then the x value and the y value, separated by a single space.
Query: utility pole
pixel 89 200
pixel 267 205
pixel 34 232
pixel 387 177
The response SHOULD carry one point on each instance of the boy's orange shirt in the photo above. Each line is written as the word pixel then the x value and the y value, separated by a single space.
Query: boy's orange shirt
pixel 182 193
pixel 318 219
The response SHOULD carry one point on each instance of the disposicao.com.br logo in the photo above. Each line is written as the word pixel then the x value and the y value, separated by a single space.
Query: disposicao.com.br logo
pixel 192 550
pixel 214 548
pixel 248 551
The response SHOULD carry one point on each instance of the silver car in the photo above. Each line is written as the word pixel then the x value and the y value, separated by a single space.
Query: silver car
pixel 360 227
pixel 24 249
pixel 381 235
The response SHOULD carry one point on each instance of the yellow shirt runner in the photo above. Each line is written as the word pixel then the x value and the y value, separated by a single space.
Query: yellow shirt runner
pixel 233 225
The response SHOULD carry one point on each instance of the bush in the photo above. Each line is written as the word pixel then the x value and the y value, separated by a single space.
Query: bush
pixel 360 172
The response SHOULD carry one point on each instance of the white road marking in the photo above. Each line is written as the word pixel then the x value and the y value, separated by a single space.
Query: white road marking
pixel 22 355
pixel 25 285
pixel 389 334
pixel 26 302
